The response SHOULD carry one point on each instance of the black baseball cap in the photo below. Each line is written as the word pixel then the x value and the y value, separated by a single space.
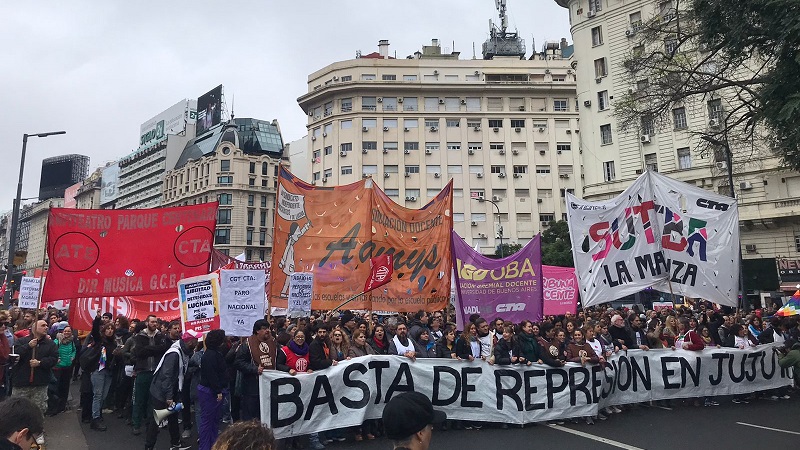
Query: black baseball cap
pixel 409 413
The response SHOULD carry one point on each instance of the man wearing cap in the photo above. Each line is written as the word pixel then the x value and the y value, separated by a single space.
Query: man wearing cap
pixel 348 323
pixel 408 419
pixel 258 353
pixel 167 386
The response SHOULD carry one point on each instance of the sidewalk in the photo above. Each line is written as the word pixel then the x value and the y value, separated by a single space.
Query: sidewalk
pixel 63 432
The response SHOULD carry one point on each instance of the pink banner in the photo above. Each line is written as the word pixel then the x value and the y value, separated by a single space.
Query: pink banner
pixel 560 290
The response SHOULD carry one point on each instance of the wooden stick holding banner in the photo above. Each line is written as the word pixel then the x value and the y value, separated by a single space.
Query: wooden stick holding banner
pixel 381 273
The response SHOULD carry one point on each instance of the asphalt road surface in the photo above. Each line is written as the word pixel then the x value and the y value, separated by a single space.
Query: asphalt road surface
pixel 760 424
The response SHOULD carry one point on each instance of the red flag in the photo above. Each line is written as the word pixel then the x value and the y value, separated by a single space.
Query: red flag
pixel 381 272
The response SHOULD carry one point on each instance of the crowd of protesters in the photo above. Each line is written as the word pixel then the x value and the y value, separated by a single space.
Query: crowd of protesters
pixel 127 368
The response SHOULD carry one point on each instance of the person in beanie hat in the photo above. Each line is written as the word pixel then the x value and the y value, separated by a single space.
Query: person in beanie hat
pixel 348 323
pixel 408 419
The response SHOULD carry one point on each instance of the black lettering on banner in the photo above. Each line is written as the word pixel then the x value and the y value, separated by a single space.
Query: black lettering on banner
pixel 666 373
pixel 510 392
pixel 378 367
pixel 466 388
pixel 357 384
pixel 403 372
pixel 768 376
pixel 694 373
pixel 278 399
pixel 720 359
pixel 753 357
pixel 575 387
pixel 639 375
pixel 321 382
pixel 597 382
pixel 437 382
pixel 552 389
pixel 531 389
pixel 735 378
pixel 609 379
pixel 623 362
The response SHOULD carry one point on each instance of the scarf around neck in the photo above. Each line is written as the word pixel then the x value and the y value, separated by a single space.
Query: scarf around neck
pixel 296 349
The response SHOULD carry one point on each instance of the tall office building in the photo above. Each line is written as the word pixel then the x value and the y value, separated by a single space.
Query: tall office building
pixel 236 164
pixel 604 34
pixel 503 128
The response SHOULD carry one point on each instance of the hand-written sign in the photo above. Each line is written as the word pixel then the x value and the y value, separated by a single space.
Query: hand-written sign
pixel 301 291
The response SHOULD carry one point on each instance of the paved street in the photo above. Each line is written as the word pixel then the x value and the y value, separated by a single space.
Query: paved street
pixel 761 424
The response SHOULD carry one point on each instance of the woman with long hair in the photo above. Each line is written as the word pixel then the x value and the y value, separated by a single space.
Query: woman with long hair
pixel 467 345
pixel 670 331
pixel 446 345
pixel 379 340
pixel 359 347
pixel 211 389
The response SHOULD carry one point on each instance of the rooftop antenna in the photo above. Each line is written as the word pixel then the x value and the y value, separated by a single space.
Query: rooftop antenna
pixel 501 42
pixel 233 100
pixel 501 7
pixel 473 50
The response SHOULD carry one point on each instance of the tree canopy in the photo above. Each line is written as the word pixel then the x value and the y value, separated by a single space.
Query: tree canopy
pixel 736 62
pixel 556 245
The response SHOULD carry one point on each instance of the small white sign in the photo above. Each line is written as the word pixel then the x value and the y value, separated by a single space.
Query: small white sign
pixel 29 292
pixel 301 290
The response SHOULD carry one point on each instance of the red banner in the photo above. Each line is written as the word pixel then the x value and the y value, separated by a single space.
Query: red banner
pixel 114 253
pixel 163 306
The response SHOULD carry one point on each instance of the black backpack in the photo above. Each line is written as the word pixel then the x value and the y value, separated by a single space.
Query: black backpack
pixel 90 357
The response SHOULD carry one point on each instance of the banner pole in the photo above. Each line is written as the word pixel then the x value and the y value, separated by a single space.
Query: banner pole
pixel 348 301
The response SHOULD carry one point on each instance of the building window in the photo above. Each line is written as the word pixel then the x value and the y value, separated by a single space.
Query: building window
pixel 563 147
pixel 389 103
pixel 317 154
pixel 473 104
pixel 347 78
pixel 410 123
pixel 262 237
pixel 495 123
pixel 346 147
pixel 431 103
pixel 454 145
pixel 225 165
pixel 431 146
pixel 226 179
pixel 597 36
pixel 346 124
pixel 410 104
pixel 412 169
pixel 346 105
pixel 252 167
pixel 635 20
pixel 600 69
pixel 517 123
pixel 263 201
pixel 651 162
pixel 390 146
pixel 411 146
pixel 410 78
pixel 224 216
pixel 679 117
pixel 369 123
pixel 369 145
pixel 368 77
pixel 251 182
pixel 520 169
pixel 560 105
pixel 250 217
pixel 452 104
pixel 647 125
pixel 595 5
pixel 684 158
pixel 263 219
pixel 390 123
pixel 369 104
pixel 225 199
pixel 222 236
pixel 328 109
pixel 715 110
pixel 542 169
pixel 605 134
pixel 497 169
pixel 251 200
pixel 496 146
pixel 602 100
pixel 453 123
pixel 608 171
pixel 264 169
pixel 347 170
pixel 670 45
pixel 389 77
pixel 249 238
pixel 329 150
pixel 328 173
pixel 431 123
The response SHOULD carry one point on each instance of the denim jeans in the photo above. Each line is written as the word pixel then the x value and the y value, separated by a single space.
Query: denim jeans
pixel 101 382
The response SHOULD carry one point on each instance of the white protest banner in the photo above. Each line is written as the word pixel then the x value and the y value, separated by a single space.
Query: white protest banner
pixel 29 292
pixel 659 233
pixel 346 394
pixel 199 298
pixel 242 300
pixel 301 289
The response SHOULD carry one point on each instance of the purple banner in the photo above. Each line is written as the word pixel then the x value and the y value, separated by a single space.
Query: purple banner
pixel 510 288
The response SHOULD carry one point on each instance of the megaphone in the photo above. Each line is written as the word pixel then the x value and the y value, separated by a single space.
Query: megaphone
pixel 161 415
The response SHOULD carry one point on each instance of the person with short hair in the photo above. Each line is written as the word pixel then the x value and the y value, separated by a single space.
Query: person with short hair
pixel 409 418
pixel 38 355
pixel 21 421
pixel 257 353
pixel 147 349
pixel 247 435
pixel 211 389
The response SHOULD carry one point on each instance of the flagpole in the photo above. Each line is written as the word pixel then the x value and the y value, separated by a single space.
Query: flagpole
pixel 348 301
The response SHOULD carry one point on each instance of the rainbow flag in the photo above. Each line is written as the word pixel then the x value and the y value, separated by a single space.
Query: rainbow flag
pixel 792 308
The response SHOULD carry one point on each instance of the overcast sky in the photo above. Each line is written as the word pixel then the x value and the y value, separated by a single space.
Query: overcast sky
pixel 99 69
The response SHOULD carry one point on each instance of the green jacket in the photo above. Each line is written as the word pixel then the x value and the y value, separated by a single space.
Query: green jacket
pixel 66 353
pixel 791 359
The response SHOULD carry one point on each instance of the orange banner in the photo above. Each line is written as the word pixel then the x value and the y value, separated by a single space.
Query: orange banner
pixel 333 232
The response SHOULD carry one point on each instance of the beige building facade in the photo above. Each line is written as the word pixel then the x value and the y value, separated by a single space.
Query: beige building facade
pixel 37 234
pixel 604 33
pixel 504 129
pixel 245 184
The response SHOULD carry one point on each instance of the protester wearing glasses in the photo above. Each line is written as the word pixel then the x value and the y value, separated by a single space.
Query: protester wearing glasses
pixel 21 421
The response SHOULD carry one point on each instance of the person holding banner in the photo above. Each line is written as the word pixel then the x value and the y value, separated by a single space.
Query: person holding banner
pixel 38 355
pixel 402 345
pixel 294 358
pixel 379 341
pixel 257 353
pixel 467 345
pixel 446 345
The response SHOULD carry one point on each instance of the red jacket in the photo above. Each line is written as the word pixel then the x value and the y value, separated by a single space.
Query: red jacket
pixel 5 350
pixel 694 340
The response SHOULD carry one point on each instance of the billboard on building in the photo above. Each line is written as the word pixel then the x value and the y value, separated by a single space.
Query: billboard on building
pixel 172 121
pixel 109 187
pixel 209 109
pixel 69 195
pixel 59 173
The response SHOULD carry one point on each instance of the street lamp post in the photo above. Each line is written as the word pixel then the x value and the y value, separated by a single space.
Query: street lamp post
pixel 729 164
pixel 499 224
pixel 12 243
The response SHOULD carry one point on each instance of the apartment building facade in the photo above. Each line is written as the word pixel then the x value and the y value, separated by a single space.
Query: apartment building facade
pixel 237 165
pixel 504 129
pixel 604 34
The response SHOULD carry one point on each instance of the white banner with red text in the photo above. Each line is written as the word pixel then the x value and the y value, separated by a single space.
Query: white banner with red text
pixel 352 391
